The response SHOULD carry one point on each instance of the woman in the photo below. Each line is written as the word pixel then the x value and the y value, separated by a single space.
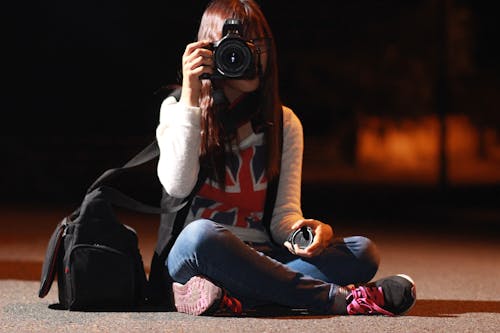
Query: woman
pixel 224 143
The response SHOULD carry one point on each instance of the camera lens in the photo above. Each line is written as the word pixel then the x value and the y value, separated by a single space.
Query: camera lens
pixel 233 58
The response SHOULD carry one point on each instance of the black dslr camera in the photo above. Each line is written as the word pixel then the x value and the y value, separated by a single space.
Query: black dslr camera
pixel 234 57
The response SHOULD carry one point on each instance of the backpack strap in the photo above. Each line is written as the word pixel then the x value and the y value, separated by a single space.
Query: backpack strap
pixel 147 154
pixel 171 225
pixel 120 199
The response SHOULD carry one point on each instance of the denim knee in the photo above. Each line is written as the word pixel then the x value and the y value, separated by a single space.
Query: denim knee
pixel 367 253
pixel 197 235
pixel 196 240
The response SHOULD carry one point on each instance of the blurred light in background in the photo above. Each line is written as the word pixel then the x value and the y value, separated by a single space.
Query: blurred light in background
pixel 407 151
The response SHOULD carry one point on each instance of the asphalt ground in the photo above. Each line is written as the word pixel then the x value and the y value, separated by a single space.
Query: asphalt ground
pixel 455 264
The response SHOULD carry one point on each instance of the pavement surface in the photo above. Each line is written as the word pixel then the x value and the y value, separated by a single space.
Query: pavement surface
pixel 456 269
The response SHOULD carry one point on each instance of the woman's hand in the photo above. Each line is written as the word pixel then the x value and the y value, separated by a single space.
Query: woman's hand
pixel 196 60
pixel 323 237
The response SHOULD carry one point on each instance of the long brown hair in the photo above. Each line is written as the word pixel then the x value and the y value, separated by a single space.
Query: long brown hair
pixel 213 137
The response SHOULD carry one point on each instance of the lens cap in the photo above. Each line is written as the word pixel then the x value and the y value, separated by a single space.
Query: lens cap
pixel 303 237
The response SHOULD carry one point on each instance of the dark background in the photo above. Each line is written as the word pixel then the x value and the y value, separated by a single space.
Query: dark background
pixel 80 84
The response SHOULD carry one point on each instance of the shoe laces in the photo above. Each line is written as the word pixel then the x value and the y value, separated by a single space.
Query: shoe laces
pixel 229 306
pixel 366 300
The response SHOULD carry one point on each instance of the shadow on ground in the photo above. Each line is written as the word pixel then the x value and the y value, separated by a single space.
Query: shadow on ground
pixel 452 308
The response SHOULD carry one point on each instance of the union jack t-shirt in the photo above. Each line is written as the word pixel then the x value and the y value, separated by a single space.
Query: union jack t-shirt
pixel 241 203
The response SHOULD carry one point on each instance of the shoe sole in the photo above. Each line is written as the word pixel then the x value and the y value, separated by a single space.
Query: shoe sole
pixel 196 296
pixel 413 292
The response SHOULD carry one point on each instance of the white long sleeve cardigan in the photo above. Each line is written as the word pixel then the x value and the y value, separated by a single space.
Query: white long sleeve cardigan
pixel 179 139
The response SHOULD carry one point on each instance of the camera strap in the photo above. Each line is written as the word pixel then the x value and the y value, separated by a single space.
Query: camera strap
pixel 244 109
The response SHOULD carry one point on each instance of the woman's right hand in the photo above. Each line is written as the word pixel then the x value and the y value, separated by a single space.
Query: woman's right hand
pixel 196 60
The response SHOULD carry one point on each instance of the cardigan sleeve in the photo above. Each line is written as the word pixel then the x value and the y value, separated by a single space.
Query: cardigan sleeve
pixel 287 209
pixel 179 139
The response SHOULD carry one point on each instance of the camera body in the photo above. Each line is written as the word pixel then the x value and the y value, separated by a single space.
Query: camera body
pixel 234 57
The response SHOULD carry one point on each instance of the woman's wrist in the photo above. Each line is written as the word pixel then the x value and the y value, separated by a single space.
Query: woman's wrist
pixel 190 98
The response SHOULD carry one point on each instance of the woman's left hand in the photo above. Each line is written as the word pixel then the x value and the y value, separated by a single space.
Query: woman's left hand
pixel 323 237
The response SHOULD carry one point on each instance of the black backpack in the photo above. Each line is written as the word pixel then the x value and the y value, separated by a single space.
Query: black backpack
pixel 95 256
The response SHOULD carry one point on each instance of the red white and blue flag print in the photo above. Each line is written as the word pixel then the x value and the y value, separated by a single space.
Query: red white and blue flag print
pixel 241 203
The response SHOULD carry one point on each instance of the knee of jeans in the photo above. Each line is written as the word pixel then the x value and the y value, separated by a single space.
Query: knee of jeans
pixel 198 232
pixel 366 251
pixel 199 235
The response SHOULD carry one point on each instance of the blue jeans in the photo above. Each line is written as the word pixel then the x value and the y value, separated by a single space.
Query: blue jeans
pixel 274 277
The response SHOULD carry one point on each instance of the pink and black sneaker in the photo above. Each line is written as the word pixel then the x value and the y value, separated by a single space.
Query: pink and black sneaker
pixel 391 296
pixel 199 296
